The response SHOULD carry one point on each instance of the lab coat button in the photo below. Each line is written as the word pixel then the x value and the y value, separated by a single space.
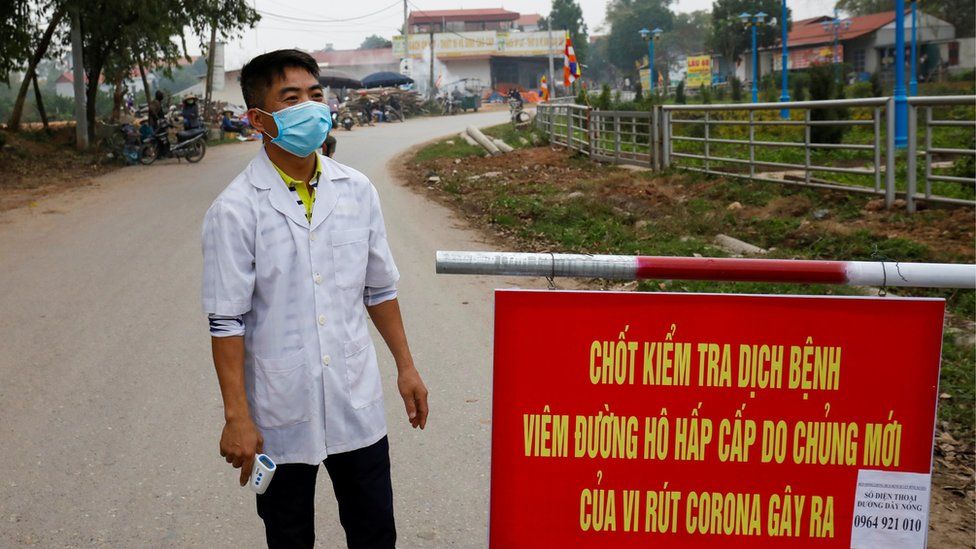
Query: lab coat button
pixel 311 236
pixel 321 320
pixel 326 359
pixel 318 278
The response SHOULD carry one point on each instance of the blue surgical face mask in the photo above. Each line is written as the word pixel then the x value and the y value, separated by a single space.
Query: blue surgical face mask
pixel 302 128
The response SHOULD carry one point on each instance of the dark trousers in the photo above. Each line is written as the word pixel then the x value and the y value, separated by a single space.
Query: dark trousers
pixel 361 480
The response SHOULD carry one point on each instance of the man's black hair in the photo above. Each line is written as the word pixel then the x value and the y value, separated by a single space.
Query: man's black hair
pixel 259 73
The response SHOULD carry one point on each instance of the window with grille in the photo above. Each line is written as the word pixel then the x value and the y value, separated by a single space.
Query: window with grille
pixel 859 60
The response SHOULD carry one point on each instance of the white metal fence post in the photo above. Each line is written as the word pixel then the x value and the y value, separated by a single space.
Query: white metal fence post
pixel 912 158
pixel 890 153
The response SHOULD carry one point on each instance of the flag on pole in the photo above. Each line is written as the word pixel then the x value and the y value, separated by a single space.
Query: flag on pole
pixel 571 69
pixel 544 88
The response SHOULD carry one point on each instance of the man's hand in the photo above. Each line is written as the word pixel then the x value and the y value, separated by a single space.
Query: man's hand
pixel 239 443
pixel 414 394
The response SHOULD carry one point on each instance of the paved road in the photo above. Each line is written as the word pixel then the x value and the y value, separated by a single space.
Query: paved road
pixel 109 408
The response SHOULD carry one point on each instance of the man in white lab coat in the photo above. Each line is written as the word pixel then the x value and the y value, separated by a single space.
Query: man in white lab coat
pixel 295 255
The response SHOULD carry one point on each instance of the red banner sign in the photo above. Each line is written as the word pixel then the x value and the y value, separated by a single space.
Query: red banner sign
pixel 803 58
pixel 685 420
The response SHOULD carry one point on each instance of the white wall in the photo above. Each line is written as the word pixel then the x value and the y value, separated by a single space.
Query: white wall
pixel 967 53
pixel 467 68
pixel 64 89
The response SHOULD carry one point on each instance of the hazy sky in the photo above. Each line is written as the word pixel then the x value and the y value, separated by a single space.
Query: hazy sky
pixel 312 25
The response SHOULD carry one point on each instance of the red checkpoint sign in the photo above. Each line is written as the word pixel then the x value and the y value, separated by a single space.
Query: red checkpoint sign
pixel 735 420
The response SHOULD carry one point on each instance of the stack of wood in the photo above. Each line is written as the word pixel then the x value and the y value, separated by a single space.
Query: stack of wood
pixel 409 101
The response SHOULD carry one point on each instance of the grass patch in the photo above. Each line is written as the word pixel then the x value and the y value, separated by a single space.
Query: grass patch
pixel 539 199
pixel 455 147
pixel 452 147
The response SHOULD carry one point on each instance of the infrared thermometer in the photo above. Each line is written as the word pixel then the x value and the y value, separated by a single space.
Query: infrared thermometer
pixel 261 474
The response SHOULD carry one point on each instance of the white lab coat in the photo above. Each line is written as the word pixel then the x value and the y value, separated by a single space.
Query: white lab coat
pixel 312 382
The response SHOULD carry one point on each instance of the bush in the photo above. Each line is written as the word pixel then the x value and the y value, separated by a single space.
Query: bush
pixel 861 89
pixel 581 98
pixel 877 88
pixel 679 94
pixel 720 93
pixel 799 84
pixel 769 93
pixel 823 86
pixel 603 100
pixel 736 86
pixel 963 167
pixel 965 76
pixel 705 94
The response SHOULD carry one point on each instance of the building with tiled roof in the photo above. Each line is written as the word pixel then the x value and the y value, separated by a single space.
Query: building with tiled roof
pixel 865 44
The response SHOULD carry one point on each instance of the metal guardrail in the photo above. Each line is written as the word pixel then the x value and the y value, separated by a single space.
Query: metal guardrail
pixel 928 105
pixel 624 137
pixel 707 141
pixel 718 119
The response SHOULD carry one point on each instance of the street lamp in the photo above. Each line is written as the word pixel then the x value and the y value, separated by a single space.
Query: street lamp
pixel 754 21
pixel 650 36
pixel 835 25
pixel 784 97
pixel 913 83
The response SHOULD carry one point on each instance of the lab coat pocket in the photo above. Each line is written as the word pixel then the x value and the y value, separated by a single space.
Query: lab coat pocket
pixel 282 391
pixel 350 253
pixel 362 374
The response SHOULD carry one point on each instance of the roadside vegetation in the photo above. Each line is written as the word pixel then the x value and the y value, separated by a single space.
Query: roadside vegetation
pixel 543 199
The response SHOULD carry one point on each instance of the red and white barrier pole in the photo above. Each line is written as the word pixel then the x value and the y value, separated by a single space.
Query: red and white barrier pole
pixel 630 267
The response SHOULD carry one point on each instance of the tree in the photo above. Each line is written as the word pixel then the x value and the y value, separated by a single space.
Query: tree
pixel 118 34
pixel 15 35
pixel 689 35
pixel 730 37
pixel 375 41
pixel 864 7
pixel 626 18
pixel 599 67
pixel 37 51
pixel 567 15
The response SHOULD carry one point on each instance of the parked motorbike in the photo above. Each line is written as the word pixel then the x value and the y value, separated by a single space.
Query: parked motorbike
pixel 345 117
pixel 450 104
pixel 190 144
pixel 516 113
pixel 391 114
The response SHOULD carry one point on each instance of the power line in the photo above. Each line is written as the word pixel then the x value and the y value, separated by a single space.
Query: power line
pixel 342 20
pixel 320 31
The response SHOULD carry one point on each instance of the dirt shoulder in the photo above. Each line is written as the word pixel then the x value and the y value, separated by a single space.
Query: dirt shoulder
pixel 544 199
pixel 35 165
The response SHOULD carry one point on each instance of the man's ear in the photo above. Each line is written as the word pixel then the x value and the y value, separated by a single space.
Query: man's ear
pixel 262 122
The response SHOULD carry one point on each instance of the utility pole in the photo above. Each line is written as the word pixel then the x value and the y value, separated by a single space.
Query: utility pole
pixel 404 60
pixel 78 71
pixel 552 76
pixel 208 115
pixel 430 91
pixel 405 29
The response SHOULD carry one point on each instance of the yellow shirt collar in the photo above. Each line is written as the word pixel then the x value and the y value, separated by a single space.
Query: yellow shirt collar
pixel 291 182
